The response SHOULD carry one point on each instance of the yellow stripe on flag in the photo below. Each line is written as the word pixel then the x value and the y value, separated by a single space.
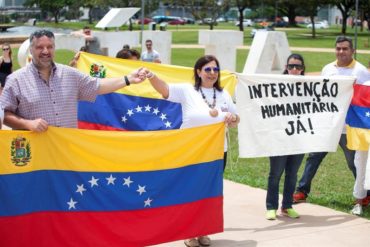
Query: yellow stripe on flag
pixel 113 151
pixel 169 73
pixel 358 138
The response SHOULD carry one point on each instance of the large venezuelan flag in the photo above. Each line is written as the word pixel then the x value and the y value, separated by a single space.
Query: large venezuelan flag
pixel 358 119
pixel 71 187
pixel 137 107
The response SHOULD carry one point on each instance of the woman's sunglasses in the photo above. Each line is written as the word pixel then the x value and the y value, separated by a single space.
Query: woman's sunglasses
pixel 5 49
pixel 296 66
pixel 214 69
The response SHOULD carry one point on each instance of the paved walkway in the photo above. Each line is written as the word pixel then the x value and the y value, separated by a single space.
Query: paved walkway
pixel 245 224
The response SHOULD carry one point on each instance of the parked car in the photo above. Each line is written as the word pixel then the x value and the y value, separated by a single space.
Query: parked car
pixel 280 23
pixel 189 20
pixel 246 23
pixel 146 21
pixel 177 21
pixel 319 25
pixel 207 21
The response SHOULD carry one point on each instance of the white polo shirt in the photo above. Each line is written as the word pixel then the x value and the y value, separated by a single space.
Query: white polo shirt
pixel 353 69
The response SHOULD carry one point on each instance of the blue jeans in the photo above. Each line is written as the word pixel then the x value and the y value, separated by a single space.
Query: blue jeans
pixel 291 164
pixel 314 160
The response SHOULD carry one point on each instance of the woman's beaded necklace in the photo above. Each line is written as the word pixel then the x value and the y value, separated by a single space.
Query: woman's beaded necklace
pixel 213 112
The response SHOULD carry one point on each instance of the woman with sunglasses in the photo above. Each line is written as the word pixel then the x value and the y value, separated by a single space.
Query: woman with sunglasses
pixel 288 163
pixel 6 64
pixel 203 103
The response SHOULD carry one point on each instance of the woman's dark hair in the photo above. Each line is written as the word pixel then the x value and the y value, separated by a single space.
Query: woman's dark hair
pixel 297 57
pixel 199 65
pixel 10 49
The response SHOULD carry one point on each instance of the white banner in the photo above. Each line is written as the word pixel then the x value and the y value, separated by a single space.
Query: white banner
pixel 285 114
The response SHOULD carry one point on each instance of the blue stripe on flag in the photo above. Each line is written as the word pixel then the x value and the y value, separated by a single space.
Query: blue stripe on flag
pixel 358 117
pixel 53 190
pixel 131 112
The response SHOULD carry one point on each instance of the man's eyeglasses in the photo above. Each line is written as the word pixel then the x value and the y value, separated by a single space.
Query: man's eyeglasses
pixel 209 69
pixel 296 66
pixel 6 49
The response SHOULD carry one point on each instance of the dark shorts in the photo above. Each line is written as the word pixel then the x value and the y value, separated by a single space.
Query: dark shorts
pixel 2 79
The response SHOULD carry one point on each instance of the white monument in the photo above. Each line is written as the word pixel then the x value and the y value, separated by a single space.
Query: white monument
pixel 222 44
pixel 268 53
pixel 162 41
pixel 116 17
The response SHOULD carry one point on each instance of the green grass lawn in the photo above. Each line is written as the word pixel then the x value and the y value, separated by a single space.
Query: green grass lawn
pixel 332 186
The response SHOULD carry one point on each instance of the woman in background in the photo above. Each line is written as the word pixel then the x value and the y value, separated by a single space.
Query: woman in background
pixel 288 163
pixel 6 64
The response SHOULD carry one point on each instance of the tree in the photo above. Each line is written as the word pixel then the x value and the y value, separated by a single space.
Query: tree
pixel 345 7
pixel 51 6
pixel 241 6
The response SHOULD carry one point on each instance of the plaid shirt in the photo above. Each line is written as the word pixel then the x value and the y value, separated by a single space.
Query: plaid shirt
pixel 27 95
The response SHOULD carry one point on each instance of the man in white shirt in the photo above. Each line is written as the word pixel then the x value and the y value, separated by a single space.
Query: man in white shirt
pixel 150 55
pixel 345 65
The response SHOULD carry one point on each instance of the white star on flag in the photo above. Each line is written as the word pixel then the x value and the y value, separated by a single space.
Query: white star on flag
pixel 128 181
pixel 367 114
pixel 93 181
pixel 147 108
pixel 141 189
pixel 147 202
pixel 130 112
pixel 124 119
pixel 167 124
pixel 80 189
pixel 163 116
pixel 139 109
pixel 71 204
pixel 155 111
pixel 110 180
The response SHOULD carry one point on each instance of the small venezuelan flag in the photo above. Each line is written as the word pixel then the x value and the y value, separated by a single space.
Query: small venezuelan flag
pixel 358 119
pixel 139 106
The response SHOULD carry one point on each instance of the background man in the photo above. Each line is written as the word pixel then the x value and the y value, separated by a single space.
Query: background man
pixel 92 43
pixel 347 66
pixel 150 55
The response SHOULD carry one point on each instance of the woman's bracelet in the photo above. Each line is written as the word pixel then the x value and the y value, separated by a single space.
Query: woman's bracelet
pixel 150 75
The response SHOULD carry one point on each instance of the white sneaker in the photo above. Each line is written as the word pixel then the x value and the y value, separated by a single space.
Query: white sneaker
pixel 357 209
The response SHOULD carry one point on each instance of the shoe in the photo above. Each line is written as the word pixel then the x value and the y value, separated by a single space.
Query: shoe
pixel 271 214
pixel 192 242
pixel 366 201
pixel 290 212
pixel 204 241
pixel 357 209
pixel 299 197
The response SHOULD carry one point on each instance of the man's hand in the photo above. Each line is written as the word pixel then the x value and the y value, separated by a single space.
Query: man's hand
pixel 137 76
pixel 37 125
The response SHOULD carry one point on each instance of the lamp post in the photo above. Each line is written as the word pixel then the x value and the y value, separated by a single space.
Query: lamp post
pixel 356 17
pixel 142 15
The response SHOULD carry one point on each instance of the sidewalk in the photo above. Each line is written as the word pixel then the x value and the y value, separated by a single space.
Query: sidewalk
pixel 245 224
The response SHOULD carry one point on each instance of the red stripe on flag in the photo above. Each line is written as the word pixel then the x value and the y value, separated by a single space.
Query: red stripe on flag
pixel 95 126
pixel 120 228
pixel 361 95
